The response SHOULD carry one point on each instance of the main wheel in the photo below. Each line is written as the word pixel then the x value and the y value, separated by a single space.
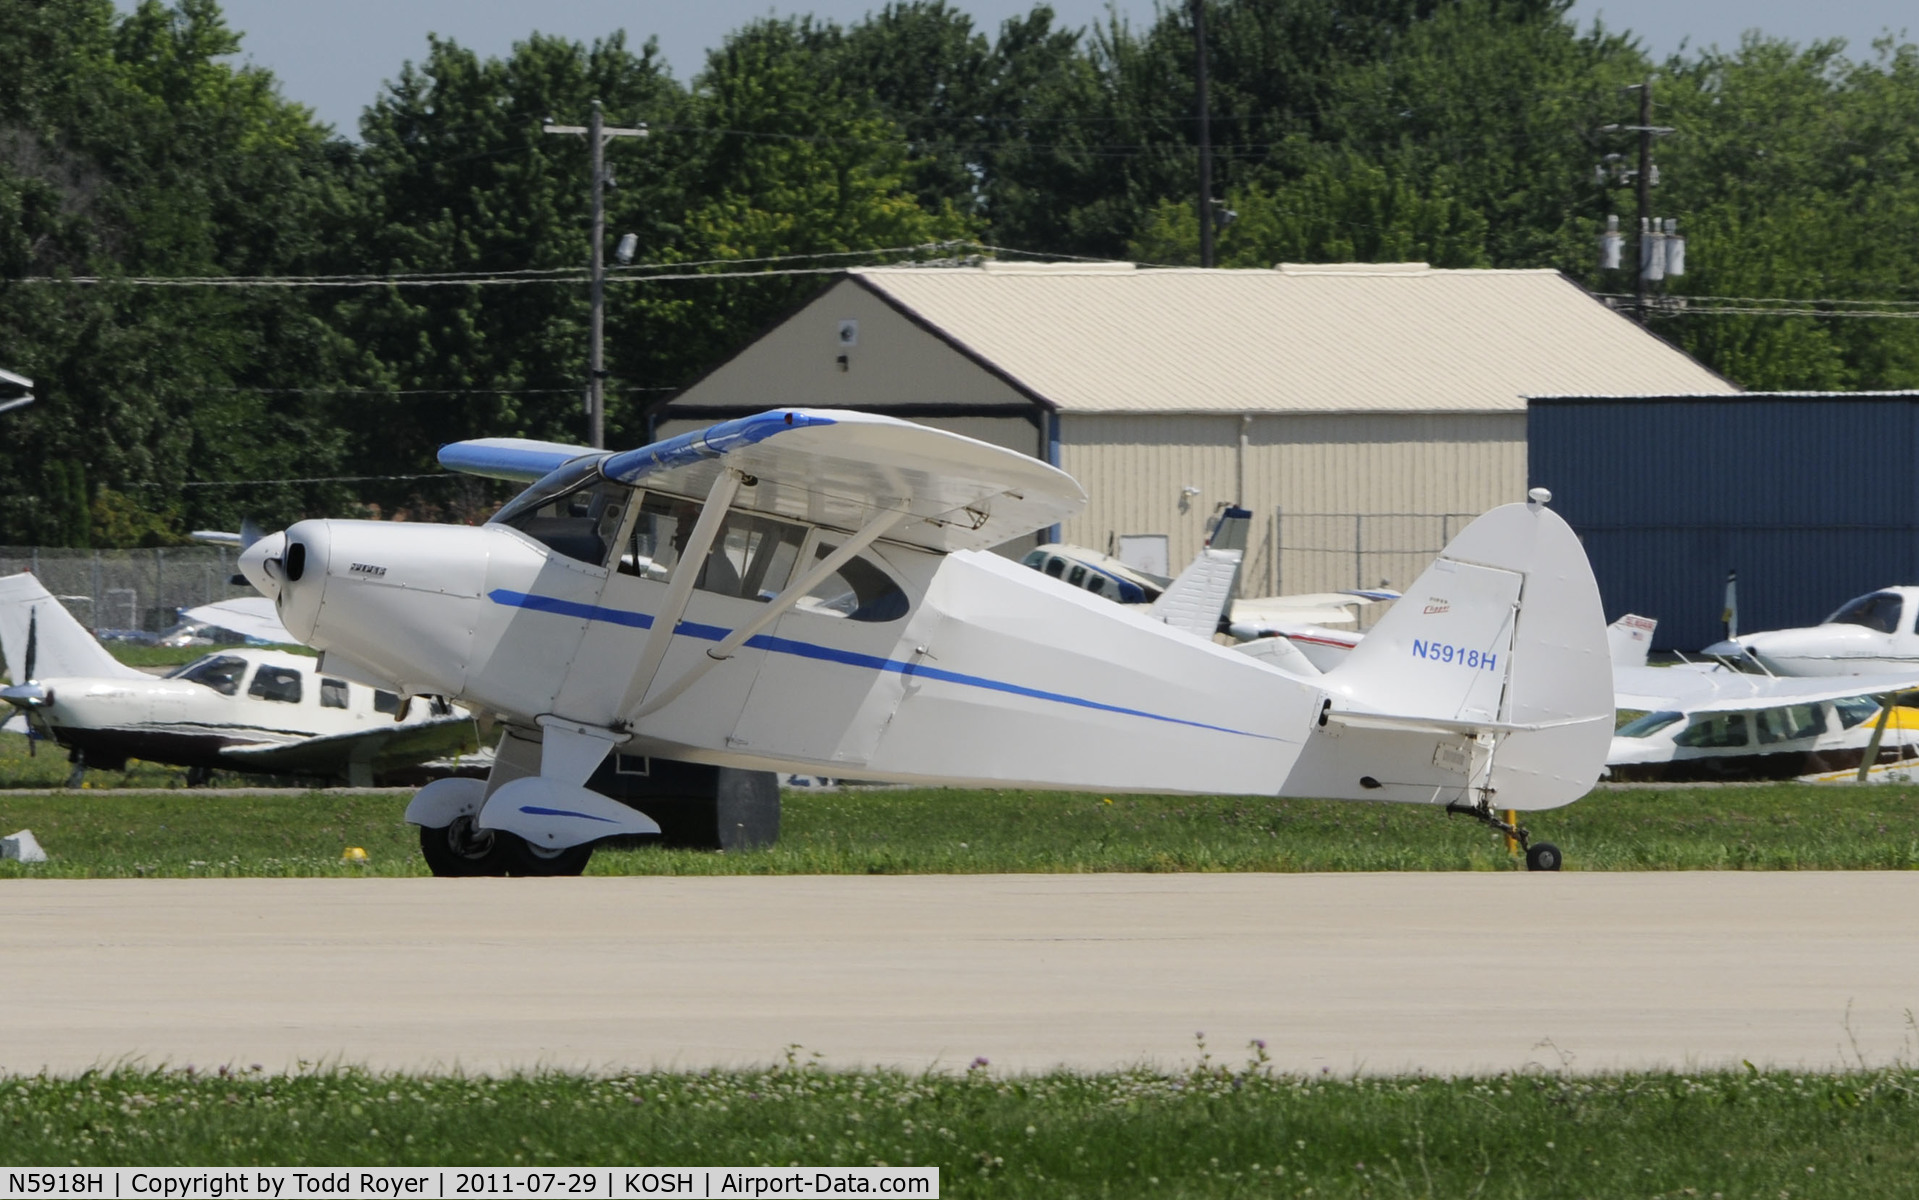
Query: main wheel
pixel 1543 856
pixel 463 849
pixel 524 858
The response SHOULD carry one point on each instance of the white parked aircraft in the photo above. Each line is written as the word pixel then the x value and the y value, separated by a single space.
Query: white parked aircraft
pixel 1216 569
pixel 1707 722
pixel 255 710
pixel 810 591
pixel 1871 634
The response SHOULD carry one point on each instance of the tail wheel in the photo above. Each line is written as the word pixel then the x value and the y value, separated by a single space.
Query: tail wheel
pixel 524 858
pixel 1543 856
pixel 464 849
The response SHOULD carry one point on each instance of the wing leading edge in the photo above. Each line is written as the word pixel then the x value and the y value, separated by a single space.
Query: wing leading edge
pixel 832 467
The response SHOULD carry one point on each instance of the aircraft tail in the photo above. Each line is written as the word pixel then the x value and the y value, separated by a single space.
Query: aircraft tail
pixel 1197 600
pixel 1494 666
pixel 41 640
pixel 1629 639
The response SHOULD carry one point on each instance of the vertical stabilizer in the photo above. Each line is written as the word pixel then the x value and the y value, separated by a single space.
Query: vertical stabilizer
pixel 1629 639
pixel 62 647
pixel 1502 638
pixel 1197 600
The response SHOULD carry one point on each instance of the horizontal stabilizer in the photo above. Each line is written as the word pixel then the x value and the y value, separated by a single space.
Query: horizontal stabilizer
pixel 521 459
pixel 1357 720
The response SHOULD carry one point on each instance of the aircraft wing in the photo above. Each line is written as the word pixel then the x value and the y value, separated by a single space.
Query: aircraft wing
pixel 35 626
pixel 384 746
pixel 520 459
pixel 840 468
pixel 253 616
pixel 1790 691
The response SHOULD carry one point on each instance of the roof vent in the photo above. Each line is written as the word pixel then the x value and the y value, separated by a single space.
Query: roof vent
pixel 1399 268
pixel 994 266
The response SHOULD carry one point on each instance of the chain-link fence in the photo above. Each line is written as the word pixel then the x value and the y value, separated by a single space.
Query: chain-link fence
pixel 1333 551
pixel 129 590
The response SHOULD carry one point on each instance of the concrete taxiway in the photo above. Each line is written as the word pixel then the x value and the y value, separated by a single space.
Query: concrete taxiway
pixel 1375 973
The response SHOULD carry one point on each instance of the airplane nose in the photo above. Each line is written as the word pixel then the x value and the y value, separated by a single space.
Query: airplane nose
pixel 264 564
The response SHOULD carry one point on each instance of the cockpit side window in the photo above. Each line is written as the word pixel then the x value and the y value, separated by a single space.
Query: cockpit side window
pixel 221 672
pixel 752 556
pixel 1056 567
pixel 280 684
pixel 1715 731
pixel 858 591
pixel 1793 724
pixel 1880 611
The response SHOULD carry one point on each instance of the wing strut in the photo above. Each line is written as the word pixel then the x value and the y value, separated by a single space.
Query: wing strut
pixel 680 592
pixel 777 607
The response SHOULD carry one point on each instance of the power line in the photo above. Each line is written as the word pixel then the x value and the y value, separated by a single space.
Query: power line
pixel 670 272
pixel 214 483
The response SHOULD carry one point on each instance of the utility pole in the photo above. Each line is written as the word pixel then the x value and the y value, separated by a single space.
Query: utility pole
pixel 1661 251
pixel 1645 195
pixel 597 133
pixel 1205 141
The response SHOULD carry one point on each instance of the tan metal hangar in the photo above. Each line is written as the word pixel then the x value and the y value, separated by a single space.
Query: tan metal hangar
pixel 1360 411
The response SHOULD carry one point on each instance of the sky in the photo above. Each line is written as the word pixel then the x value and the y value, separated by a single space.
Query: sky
pixel 333 55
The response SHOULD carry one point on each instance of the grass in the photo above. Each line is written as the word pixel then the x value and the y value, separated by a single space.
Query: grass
pixel 1209 1131
pixel 930 830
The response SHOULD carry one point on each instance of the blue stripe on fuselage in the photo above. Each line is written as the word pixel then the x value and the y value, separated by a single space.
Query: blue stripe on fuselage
pixel 870 662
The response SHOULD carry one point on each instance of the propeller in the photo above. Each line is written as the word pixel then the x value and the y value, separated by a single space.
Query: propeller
pixel 26 693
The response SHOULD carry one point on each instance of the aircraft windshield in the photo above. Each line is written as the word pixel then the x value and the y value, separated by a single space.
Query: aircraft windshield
pixel 572 512
pixel 1647 725
pixel 1856 710
pixel 1879 611
pixel 221 672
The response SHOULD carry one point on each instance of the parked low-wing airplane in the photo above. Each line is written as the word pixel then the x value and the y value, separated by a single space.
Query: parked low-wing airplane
pixel 1215 569
pixel 263 711
pixel 1870 634
pixel 816 596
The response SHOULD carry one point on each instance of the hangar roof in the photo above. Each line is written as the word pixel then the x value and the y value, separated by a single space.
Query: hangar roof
pixel 1392 337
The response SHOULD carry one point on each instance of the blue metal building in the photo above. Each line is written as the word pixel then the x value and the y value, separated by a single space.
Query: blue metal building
pixel 1812 497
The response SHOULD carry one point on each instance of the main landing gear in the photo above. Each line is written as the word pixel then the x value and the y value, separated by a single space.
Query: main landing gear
pixel 1540 856
pixel 464 849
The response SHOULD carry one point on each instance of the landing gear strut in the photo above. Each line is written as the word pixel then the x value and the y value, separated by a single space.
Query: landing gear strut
pixel 1540 856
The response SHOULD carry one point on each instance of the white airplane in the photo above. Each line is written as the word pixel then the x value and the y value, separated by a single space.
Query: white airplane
pixel 817 597
pixel 1214 571
pixel 1708 722
pixel 263 711
pixel 1871 634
